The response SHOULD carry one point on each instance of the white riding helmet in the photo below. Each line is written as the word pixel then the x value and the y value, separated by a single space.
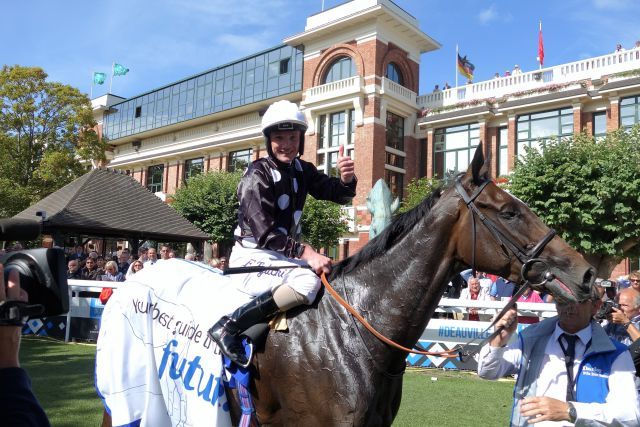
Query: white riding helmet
pixel 283 115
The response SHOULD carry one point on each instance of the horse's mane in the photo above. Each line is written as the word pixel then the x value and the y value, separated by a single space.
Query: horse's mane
pixel 400 225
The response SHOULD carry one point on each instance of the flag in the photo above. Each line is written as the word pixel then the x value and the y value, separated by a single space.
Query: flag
pixel 465 67
pixel 540 47
pixel 99 78
pixel 119 70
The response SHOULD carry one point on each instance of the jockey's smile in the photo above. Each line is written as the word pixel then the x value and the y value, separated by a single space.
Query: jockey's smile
pixel 285 144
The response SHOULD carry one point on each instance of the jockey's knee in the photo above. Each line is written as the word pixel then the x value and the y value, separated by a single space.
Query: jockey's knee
pixel 302 289
pixel 286 297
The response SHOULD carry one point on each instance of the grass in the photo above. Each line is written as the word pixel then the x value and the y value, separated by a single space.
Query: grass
pixel 62 376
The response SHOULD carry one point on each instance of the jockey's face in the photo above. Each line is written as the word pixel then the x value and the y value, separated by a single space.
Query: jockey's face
pixel 285 144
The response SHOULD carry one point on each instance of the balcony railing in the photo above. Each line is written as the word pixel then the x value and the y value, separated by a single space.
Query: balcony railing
pixel 397 91
pixel 335 89
pixel 592 68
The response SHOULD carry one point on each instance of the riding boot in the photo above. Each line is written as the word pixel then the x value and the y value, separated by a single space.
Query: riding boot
pixel 226 332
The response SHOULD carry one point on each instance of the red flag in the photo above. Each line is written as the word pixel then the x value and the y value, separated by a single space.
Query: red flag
pixel 540 47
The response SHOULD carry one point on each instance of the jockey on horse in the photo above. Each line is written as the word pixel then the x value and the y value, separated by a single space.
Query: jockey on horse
pixel 272 194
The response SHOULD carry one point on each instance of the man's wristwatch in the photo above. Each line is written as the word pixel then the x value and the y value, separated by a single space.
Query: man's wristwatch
pixel 299 250
pixel 573 415
pixel 626 325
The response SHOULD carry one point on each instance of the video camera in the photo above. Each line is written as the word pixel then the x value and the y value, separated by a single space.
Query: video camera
pixel 606 309
pixel 42 275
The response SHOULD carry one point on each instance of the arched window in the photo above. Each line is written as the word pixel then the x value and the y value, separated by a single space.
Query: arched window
pixel 341 69
pixel 394 74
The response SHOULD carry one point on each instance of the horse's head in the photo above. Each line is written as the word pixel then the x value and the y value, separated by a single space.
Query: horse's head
pixel 508 235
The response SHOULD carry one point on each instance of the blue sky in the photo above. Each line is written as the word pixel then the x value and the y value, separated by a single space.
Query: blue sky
pixel 162 41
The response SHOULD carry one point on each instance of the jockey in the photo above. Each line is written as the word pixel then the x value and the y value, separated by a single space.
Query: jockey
pixel 272 193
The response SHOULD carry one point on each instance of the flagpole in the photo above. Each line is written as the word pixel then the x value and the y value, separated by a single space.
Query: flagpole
pixel 111 81
pixel 456 64
pixel 539 33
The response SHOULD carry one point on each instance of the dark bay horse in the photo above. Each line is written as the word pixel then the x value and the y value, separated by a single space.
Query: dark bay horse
pixel 327 370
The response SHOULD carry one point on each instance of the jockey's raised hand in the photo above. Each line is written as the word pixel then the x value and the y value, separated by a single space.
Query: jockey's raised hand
pixel 345 166
pixel 319 263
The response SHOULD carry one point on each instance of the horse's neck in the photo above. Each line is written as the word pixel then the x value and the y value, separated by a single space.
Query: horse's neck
pixel 400 290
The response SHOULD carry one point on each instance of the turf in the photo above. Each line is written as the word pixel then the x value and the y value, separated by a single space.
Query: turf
pixel 62 376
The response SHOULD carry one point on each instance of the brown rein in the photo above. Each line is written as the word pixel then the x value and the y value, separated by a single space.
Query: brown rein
pixel 454 352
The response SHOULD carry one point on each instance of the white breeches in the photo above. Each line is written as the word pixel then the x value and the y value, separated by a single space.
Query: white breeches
pixel 302 280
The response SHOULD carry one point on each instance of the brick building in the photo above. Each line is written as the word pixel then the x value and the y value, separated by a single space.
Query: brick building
pixel 355 71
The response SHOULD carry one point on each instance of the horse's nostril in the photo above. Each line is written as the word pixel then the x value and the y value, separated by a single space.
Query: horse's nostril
pixel 589 276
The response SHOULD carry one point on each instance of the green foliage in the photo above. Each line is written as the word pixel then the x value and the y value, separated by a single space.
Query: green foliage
pixel 322 223
pixel 46 128
pixel 417 190
pixel 210 202
pixel 587 189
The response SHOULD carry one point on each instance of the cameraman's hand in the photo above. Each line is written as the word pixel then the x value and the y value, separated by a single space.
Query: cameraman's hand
pixel 618 316
pixel 10 335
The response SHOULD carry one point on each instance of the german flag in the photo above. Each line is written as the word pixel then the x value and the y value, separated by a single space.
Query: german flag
pixel 465 67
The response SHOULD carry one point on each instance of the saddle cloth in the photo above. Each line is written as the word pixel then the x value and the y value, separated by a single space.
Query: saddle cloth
pixel 155 365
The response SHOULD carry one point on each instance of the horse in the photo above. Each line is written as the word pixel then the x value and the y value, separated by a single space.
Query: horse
pixel 328 370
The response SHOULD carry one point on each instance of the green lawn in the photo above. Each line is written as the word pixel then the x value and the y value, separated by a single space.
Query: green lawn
pixel 62 376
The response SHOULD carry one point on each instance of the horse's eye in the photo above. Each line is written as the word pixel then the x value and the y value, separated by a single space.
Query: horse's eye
pixel 508 215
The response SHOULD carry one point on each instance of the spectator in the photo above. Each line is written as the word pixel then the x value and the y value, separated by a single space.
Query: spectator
pixel 568 369
pixel 447 85
pixel 624 323
pixel 507 73
pixel 634 280
pixel 474 292
pixel 190 257
pixel 436 88
pixel 142 254
pixel 529 295
pixel 223 262
pixel 619 48
pixel 152 256
pixel 93 254
pixel 73 270
pixel 214 262
pixel 90 271
pixel 496 75
pixel 501 288
pixel 111 273
pixel 100 262
pixel 516 70
pixel 78 254
pixel 135 266
pixel 172 254
pixel 123 262
pixel 164 252
pixel 637 45
pixel 18 404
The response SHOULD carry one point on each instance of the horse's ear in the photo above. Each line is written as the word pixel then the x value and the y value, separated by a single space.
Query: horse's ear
pixel 479 167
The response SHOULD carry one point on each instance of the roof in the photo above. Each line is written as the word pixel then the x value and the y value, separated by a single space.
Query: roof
pixel 106 203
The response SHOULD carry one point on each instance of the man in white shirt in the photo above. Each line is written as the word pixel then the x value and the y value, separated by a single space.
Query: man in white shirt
pixel 569 371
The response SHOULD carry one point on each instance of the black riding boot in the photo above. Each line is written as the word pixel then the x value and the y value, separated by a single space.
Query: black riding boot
pixel 226 332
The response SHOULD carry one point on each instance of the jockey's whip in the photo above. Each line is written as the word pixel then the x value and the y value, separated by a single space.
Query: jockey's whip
pixel 259 268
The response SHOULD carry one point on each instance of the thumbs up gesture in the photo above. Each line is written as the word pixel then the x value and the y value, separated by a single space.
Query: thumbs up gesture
pixel 345 166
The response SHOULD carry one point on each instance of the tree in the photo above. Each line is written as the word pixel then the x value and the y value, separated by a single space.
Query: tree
pixel 46 130
pixel 417 190
pixel 210 202
pixel 322 223
pixel 589 191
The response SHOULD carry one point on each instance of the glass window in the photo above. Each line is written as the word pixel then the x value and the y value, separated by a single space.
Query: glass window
pixel 536 127
pixel 454 148
pixel 341 69
pixel 503 162
pixel 155 178
pixel 334 129
pixel 600 123
pixel 239 160
pixel 395 181
pixel 395 131
pixel 629 111
pixel 193 167
pixel 393 73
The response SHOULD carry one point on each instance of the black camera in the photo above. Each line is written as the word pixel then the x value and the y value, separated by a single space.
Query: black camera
pixel 606 309
pixel 42 274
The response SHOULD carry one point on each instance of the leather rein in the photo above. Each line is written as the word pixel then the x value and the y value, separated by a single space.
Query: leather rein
pixel 527 257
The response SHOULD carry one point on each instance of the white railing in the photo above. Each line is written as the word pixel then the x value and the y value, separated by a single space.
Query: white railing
pixel 335 89
pixel 398 91
pixel 592 68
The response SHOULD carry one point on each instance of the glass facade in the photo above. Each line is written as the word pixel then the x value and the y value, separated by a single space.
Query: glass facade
pixel 335 129
pixel 629 111
pixel 393 73
pixel 394 159
pixel 340 69
pixel 503 163
pixel 600 124
pixel 155 178
pixel 453 148
pixel 193 167
pixel 239 160
pixel 265 75
pixel 532 128
pixel 395 131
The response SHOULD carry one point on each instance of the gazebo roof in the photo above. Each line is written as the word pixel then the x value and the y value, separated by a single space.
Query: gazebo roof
pixel 107 203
